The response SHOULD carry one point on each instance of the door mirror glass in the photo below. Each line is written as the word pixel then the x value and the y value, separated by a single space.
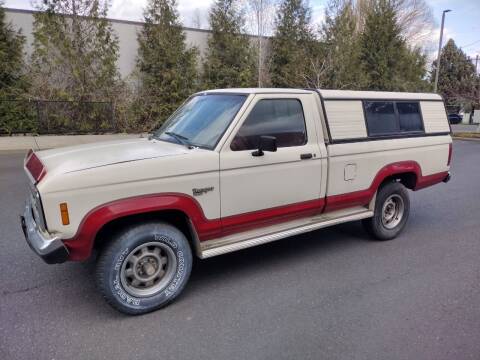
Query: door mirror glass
pixel 266 143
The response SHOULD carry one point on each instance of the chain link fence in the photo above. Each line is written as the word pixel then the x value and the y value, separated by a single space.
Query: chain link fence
pixel 56 117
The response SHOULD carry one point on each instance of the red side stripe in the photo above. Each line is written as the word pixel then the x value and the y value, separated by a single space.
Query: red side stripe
pixel 343 201
pixel 81 244
pixel 248 221
pixel 430 180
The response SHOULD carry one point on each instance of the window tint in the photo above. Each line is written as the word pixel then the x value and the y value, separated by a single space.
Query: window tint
pixel 381 118
pixel 282 118
pixel 409 116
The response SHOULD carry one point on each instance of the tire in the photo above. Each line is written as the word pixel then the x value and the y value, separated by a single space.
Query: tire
pixel 389 220
pixel 144 268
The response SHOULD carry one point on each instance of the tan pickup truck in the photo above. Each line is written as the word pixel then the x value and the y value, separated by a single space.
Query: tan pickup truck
pixel 229 170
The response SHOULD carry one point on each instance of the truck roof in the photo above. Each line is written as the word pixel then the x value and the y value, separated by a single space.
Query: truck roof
pixel 258 91
pixel 361 95
pixel 333 94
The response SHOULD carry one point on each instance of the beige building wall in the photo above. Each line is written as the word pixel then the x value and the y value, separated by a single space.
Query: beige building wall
pixel 126 31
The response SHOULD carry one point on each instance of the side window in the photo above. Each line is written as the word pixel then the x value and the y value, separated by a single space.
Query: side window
pixel 282 118
pixel 390 118
pixel 409 116
pixel 381 118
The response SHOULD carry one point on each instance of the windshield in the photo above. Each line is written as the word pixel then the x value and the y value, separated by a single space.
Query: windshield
pixel 202 120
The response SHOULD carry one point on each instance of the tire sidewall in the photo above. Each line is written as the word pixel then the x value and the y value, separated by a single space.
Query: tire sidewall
pixel 385 192
pixel 117 254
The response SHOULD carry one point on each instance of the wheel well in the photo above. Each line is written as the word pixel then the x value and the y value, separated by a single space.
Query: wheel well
pixel 409 179
pixel 174 217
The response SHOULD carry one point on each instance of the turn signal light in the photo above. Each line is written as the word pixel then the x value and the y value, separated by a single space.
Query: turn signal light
pixel 64 214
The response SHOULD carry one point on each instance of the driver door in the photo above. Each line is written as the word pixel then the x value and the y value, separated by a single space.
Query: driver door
pixel 277 184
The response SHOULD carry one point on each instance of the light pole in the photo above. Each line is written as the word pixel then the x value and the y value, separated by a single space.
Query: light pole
pixel 260 34
pixel 440 49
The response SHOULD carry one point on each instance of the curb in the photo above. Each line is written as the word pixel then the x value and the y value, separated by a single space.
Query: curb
pixel 465 139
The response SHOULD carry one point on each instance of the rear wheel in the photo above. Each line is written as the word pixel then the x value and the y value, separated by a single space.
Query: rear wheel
pixel 392 208
pixel 144 268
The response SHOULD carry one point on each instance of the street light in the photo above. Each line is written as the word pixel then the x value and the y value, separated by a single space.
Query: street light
pixel 440 49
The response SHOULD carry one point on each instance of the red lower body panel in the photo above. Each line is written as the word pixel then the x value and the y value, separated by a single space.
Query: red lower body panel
pixel 81 245
pixel 429 180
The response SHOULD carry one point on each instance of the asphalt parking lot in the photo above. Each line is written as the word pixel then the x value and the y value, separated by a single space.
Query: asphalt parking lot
pixel 330 294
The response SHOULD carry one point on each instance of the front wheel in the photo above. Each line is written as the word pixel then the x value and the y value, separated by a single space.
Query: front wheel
pixel 144 268
pixel 392 207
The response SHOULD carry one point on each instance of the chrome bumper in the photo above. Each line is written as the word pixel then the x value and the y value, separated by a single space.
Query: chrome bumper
pixel 50 249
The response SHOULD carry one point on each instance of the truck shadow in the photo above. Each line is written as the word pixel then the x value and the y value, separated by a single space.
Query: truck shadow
pixel 225 269
pixel 321 243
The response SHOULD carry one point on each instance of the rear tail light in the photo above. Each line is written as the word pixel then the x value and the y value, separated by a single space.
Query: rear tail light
pixel 450 150
pixel 35 166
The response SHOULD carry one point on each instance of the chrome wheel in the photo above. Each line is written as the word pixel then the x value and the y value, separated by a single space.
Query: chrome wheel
pixel 392 211
pixel 148 269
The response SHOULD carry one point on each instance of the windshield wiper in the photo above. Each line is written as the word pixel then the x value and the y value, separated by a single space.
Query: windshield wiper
pixel 180 138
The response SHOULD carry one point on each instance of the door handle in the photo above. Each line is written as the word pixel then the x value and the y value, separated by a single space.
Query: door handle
pixel 306 156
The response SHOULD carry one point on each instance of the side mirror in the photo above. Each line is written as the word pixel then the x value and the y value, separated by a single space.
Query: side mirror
pixel 266 143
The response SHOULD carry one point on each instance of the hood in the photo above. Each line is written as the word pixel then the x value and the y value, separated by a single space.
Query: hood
pixel 88 156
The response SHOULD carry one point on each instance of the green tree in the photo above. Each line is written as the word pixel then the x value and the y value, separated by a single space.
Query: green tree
pixel 294 49
pixel 230 59
pixel 386 59
pixel 342 47
pixel 75 51
pixel 13 83
pixel 167 69
pixel 12 80
pixel 413 71
pixel 381 47
pixel 457 81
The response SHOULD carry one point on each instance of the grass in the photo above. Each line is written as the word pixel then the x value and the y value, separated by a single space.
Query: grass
pixel 466 135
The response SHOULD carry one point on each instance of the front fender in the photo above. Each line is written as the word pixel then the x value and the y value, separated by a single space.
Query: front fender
pixel 80 246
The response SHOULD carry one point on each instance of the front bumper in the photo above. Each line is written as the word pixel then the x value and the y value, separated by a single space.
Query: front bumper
pixel 50 248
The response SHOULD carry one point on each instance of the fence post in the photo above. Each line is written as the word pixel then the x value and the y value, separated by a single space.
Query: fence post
pixel 92 109
pixel 37 106
pixel 113 117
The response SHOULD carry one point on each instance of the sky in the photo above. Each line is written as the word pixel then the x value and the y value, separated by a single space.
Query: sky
pixel 462 23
